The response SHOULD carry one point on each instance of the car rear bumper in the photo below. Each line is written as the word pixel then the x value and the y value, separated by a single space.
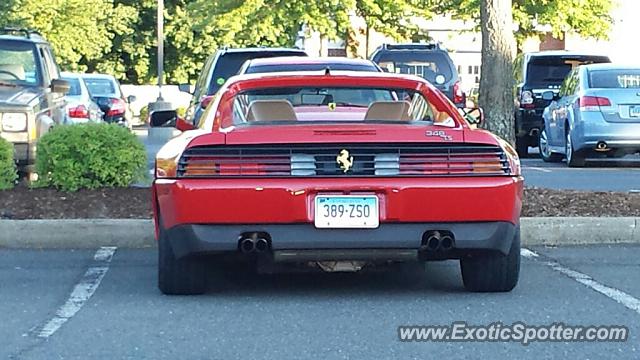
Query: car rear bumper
pixel 211 214
pixel 24 153
pixel 528 122
pixel 194 239
pixel 593 129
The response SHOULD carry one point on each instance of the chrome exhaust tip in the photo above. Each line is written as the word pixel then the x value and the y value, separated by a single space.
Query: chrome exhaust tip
pixel 602 146
pixel 247 245
pixel 261 245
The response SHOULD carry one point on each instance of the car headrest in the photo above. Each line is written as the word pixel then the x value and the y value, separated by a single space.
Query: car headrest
pixel 271 110
pixel 388 110
pixel 15 69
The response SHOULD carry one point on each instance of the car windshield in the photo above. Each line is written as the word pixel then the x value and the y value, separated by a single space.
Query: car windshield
pixel 427 65
pixel 74 86
pixel 230 63
pixel 254 69
pixel 101 87
pixel 615 79
pixel 18 63
pixel 334 104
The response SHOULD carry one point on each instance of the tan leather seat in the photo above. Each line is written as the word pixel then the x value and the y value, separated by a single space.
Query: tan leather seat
pixel 6 71
pixel 271 110
pixel 388 111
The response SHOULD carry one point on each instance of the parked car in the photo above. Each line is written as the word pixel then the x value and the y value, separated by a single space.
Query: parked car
pixel 536 73
pixel 220 66
pixel 300 63
pixel 596 114
pixel 379 178
pixel 31 92
pixel 429 61
pixel 105 91
pixel 80 106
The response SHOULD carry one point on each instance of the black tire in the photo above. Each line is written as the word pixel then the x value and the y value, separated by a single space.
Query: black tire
pixel 494 272
pixel 543 146
pixel 522 147
pixel 573 159
pixel 186 276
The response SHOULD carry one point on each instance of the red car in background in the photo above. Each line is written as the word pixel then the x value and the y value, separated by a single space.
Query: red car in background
pixel 336 170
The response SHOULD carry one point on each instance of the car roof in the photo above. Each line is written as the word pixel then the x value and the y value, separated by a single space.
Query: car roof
pixel 33 38
pixel 563 53
pixel 98 76
pixel 71 75
pixel 261 49
pixel 294 60
pixel 409 81
pixel 610 66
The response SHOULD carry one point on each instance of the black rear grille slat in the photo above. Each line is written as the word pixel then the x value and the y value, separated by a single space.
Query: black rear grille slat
pixel 370 160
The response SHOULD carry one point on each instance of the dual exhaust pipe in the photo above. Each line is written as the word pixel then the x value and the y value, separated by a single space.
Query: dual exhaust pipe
pixel 437 241
pixel 253 244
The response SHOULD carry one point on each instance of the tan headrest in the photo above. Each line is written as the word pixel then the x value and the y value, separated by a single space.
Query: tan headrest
pixel 271 110
pixel 15 69
pixel 388 110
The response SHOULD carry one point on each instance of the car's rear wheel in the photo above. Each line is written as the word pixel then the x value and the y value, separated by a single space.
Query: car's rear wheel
pixel 185 276
pixel 545 149
pixel 492 272
pixel 573 159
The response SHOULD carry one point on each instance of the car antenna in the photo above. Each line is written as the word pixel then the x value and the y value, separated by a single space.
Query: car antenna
pixel 327 71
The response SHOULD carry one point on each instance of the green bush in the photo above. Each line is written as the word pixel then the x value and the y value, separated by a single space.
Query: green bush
pixel 8 171
pixel 72 157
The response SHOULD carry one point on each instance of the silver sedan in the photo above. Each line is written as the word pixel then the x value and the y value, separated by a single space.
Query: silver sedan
pixel 595 115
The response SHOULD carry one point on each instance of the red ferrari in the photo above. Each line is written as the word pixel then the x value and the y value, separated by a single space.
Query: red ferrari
pixel 336 170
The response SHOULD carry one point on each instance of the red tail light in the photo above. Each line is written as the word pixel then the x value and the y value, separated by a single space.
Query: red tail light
pixel 593 103
pixel 79 111
pixel 205 101
pixel 458 94
pixel 118 107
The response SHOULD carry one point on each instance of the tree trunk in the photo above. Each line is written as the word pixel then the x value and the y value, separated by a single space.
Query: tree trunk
pixel 496 82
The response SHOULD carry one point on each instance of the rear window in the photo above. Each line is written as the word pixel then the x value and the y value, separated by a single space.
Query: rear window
pixel 426 64
pixel 101 87
pixel 615 79
pixel 334 104
pixel 229 63
pixel 308 67
pixel 545 71
pixel 74 86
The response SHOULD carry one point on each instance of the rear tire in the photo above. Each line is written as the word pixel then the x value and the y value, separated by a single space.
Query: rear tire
pixel 573 159
pixel 184 276
pixel 545 151
pixel 494 272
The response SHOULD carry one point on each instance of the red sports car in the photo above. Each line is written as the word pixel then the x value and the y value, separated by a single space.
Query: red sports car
pixel 336 170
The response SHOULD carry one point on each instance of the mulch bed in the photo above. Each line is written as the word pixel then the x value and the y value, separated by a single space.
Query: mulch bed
pixel 135 203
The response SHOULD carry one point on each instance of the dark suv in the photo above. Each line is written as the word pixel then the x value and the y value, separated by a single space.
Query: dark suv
pixel 31 92
pixel 219 67
pixel 534 74
pixel 428 61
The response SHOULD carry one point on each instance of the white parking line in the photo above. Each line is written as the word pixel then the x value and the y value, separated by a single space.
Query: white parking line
pixel 81 292
pixel 538 169
pixel 619 296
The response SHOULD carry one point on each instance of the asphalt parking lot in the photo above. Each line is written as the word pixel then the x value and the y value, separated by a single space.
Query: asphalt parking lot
pixel 49 313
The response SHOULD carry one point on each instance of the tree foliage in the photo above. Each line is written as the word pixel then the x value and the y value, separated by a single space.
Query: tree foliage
pixel 119 36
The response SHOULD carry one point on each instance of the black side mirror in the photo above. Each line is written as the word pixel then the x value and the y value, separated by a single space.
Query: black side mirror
pixel 131 98
pixel 548 96
pixel 163 118
pixel 60 86
pixel 185 88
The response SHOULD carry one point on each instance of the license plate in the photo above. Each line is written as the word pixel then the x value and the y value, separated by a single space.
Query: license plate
pixel 634 111
pixel 346 211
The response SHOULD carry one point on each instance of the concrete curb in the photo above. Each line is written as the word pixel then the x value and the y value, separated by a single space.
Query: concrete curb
pixel 132 233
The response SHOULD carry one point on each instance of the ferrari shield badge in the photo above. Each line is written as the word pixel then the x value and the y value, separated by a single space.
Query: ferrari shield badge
pixel 344 160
